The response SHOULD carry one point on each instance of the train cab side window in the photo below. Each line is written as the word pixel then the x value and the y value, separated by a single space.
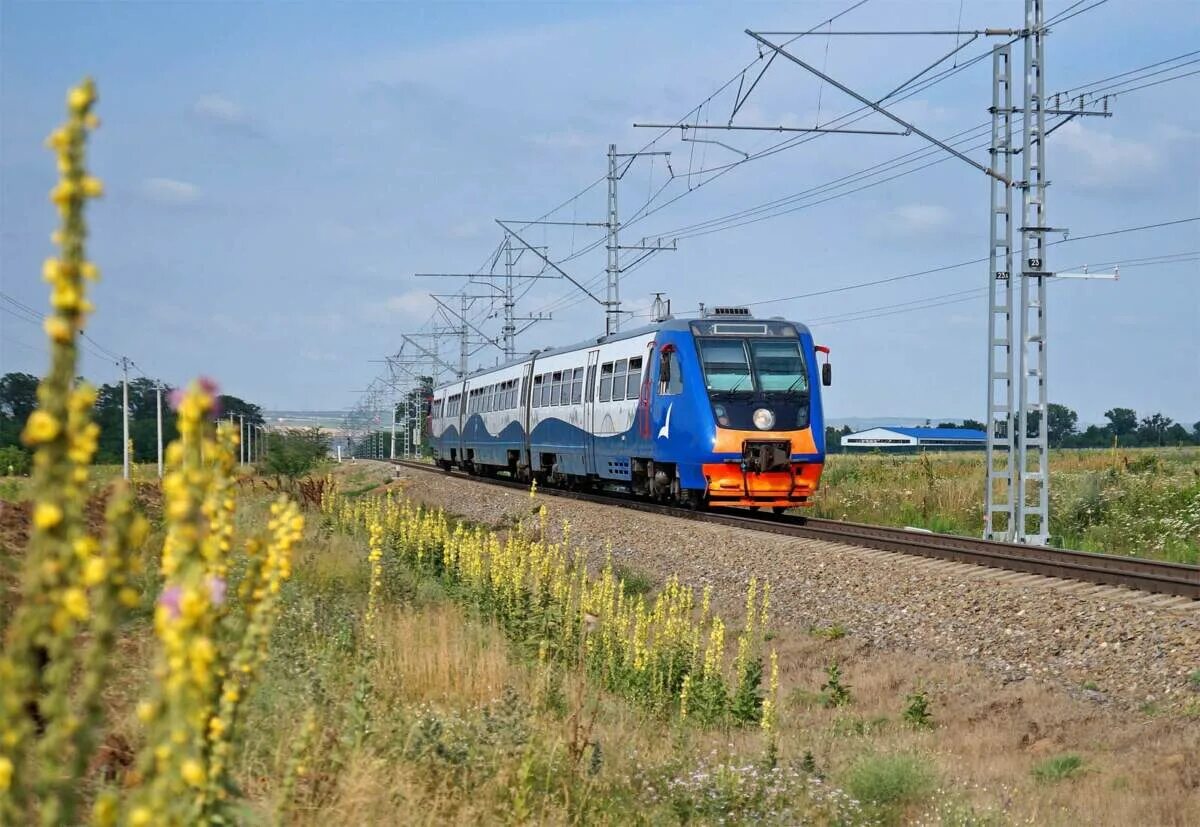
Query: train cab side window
pixel 606 381
pixel 589 386
pixel 670 377
pixel 577 386
pixel 633 380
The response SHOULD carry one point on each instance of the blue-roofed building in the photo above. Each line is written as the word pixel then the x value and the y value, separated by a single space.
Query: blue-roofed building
pixel 910 438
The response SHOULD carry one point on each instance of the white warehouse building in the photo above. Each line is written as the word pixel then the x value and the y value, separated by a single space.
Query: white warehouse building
pixel 908 438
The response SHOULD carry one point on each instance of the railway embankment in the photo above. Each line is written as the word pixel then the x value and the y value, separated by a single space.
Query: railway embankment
pixel 1107 646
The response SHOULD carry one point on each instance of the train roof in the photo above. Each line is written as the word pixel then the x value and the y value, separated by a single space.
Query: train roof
pixel 671 323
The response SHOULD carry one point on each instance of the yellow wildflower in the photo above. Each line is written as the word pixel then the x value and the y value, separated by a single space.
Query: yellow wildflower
pixel 94 571
pixel 140 817
pixel 89 271
pixel 40 427
pixel 193 772
pixel 47 515
pixel 6 771
pixel 76 603
pixel 81 97
pixel 93 187
pixel 57 329
pixel 52 270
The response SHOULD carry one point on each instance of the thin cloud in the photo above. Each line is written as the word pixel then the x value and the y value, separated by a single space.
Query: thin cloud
pixel 167 192
pixel 921 218
pixel 220 112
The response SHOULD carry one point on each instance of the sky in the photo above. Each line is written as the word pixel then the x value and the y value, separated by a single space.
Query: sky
pixel 277 173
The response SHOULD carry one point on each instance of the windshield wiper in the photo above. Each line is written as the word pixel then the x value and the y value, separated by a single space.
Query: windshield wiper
pixel 739 382
pixel 792 386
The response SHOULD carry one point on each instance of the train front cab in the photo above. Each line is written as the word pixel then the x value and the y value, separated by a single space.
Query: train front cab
pixel 752 432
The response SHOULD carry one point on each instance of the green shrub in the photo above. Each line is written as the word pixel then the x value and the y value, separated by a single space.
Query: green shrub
pixel 633 581
pixel 14 461
pixel 834 692
pixel 1058 768
pixel 887 784
pixel 917 714
pixel 294 452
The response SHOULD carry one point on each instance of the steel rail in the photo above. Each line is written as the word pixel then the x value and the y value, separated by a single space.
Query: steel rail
pixel 1154 576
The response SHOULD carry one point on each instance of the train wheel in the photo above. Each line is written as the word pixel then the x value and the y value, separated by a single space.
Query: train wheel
pixel 779 509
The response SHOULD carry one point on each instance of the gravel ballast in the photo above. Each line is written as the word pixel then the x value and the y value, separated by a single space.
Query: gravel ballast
pixel 1102 644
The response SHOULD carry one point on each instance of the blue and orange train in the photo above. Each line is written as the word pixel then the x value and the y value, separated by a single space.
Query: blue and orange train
pixel 724 409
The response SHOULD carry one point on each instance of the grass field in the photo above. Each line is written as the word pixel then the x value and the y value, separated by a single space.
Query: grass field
pixel 446 718
pixel 1142 502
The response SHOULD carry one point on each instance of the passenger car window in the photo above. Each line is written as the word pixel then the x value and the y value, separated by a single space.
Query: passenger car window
pixel 537 391
pixel 577 386
pixel 606 381
pixel 633 381
pixel 618 389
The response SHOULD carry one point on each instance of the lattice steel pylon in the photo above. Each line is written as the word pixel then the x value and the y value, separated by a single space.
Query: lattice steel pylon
pixel 1033 458
pixel 1000 487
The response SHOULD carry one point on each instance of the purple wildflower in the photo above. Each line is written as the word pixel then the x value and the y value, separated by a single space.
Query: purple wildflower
pixel 216 589
pixel 175 398
pixel 170 599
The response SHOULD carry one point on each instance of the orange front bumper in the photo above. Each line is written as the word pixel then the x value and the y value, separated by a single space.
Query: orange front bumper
pixel 729 485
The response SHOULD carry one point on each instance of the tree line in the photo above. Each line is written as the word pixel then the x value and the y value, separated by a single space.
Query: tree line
pixel 18 399
pixel 1124 428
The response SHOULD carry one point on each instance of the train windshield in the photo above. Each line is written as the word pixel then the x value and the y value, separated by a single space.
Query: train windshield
pixel 780 365
pixel 735 365
pixel 726 365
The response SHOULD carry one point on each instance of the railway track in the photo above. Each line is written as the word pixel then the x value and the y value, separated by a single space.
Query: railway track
pixel 1129 572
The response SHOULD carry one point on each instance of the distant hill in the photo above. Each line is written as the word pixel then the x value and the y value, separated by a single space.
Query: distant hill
pixel 862 423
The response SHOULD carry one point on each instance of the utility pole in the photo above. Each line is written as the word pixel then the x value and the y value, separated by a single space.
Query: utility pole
pixel 241 439
pixel 999 489
pixel 612 297
pixel 1017 486
pixel 612 303
pixel 392 451
pixel 158 417
pixel 125 458
pixel 1033 459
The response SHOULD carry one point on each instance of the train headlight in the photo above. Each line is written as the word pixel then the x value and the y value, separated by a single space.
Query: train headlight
pixel 764 419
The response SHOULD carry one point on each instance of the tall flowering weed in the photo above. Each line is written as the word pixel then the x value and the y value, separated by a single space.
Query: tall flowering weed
pixel 667 654
pixel 76 584
pixel 214 613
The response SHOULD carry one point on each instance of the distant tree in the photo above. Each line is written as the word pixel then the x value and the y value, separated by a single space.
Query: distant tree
pixel 1033 423
pixel 833 438
pixel 1061 423
pixel 18 395
pixel 1121 421
pixel 18 398
pixel 1093 437
pixel 239 407
pixel 973 425
pixel 948 425
pixel 1196 432
pixel 1177 435
pixel 1153 429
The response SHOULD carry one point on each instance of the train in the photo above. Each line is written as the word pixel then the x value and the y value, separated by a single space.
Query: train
pixel 723 409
